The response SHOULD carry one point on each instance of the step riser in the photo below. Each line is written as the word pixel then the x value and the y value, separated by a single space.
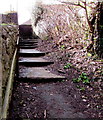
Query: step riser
pixel 39 80
pixel 31 54
pixel 29 39
pixel 28 42
pixel 28 47
pixel 33 64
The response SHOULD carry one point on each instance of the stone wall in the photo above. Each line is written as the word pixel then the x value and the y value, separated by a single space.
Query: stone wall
pixel 0 74
pixel 10 18
pixel 8 41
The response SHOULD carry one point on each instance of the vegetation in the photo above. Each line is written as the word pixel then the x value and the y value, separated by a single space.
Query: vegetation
pixel 94 16
pixel 68 65
pixel 79 23
pixel 3 24
pixel 75 44
pixel 82 78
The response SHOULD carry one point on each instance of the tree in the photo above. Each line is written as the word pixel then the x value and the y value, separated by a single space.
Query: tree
pixel 83 4
pixel 99 30
pixel 95 23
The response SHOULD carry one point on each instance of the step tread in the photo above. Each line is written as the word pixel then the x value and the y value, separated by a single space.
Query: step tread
pixel 37 73
pixel 30 51
pixel 30 39
pixel 32 59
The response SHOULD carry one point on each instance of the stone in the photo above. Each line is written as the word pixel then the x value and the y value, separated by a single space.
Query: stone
pixel 34 61
pixel 30 52
pixel 37 73
pixel 38 24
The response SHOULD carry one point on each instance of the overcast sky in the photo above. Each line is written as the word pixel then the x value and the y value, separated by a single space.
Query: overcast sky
pixel 22 6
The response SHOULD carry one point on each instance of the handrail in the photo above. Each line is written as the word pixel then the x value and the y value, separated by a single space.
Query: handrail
pixel 9 87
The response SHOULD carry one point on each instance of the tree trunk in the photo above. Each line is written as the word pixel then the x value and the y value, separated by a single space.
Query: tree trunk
pixel 99 31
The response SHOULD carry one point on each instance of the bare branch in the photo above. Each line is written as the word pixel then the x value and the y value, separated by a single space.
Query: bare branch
pixel 70 3
pixel 84 7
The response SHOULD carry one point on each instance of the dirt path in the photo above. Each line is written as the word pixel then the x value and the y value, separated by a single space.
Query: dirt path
pixel 46 100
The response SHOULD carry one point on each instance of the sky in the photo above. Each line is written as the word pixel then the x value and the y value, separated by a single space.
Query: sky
pixel 23 7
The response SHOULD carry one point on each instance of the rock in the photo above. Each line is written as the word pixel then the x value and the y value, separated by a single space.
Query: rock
pixel 38 24
pixel 34 88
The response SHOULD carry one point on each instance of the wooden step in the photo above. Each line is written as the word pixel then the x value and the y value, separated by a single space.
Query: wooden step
pixel 32 42
pixel 30 53
pixel 34 61
pixel 29 40
pixel 28 44
pixel 27 47
pixel 36 74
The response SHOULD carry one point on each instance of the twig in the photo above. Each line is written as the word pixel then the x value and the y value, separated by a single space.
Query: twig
pixel 70 3
pixel 27 114
pixel 45 113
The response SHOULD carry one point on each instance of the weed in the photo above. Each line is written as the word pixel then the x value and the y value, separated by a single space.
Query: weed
pixel 76 80
pixel 100 60
pixel 3 24
pixel 82 78
pixel 78 86
pixel 46 38
pixel 67 66
pixel 63 47
pixel 63 80
pixel 82 89
pixel 89 54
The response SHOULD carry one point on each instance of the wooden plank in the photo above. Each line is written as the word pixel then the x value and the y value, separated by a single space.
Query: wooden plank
pixel 9 88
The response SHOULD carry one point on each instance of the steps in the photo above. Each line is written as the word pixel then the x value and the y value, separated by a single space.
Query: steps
pixel 34 62
pixel 28 47
pixel 28 43
pixel 29 40
pixel 37 73
pixel 32 65
pixel 30 53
